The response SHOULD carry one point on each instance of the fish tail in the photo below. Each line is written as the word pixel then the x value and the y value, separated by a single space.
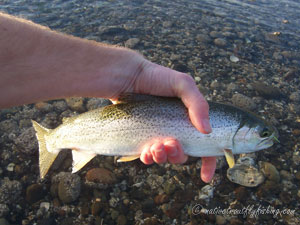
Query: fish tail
pixel 46 158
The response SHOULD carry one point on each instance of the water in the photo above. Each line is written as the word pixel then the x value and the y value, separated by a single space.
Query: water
pixel 196 37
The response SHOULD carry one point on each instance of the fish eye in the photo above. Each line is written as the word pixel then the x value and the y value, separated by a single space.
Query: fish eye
pixel 265 133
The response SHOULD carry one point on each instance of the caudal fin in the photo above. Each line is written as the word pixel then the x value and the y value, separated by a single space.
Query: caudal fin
pixel 46 158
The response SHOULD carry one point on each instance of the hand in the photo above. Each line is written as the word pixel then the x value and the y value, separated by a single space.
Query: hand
pixel 158 80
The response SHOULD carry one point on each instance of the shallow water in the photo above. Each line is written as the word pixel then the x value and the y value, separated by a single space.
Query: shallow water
pixel 230 48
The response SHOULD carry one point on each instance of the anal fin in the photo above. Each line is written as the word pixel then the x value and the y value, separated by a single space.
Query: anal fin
pixel 128 158
pixel 80 159
pixel 229 157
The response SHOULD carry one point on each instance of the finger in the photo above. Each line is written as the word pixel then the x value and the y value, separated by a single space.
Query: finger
pixel 195 102
pixel 158 152
pixel 174 151
pixel 208 168
pixel 146 155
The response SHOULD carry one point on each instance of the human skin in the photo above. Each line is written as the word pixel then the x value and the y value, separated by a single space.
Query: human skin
pixel 37 64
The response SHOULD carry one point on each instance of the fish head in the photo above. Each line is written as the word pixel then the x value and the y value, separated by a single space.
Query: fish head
pixel 254 136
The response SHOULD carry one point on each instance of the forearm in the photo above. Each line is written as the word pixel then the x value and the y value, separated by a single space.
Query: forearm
pixel 39 64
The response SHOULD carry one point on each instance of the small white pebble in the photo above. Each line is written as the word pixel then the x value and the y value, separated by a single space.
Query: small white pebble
pixel 10 167
pixel 45 205
pixel 234 59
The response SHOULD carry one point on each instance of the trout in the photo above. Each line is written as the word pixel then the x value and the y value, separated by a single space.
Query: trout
pixel 121 129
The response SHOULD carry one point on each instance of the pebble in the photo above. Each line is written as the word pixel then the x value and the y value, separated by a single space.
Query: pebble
pixel 10 167
pixel 60 105
pixel 121 220
pixel 10 191
pixel 267 91
pixel 34 193
pixel 243 101
pixel 95 103
pixel 43 106
pixel 220 220
pixel 203 38
pixel 285 175
pixel 245 175
pixel 132 42
pixel 206 193
pixel 234 59
pixel 3 221
pixel 295 97
pixel 26 142
pixel 161 199
pixel 76 104
pixel 269 171
pixel 69 187
pixel 220 42
pixel 101 175
pixel 4 210
pixel 96 208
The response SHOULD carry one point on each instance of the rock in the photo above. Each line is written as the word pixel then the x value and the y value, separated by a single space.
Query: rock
pixel 148 206
pixel 295 108
pixel 203 38
pixel 214 34
pixel 245 175
pixel 285 175
pixel 169 188
pixel 243 101
pixel 269 171
pixel 47 221
pixel 297 175
pixel 100 175
pixel 220 220
pixel 26 142
pixel 232 87
pixel 161 199
pixel 295 97
pixel 60 105
pixel 43 106
pixel 10 167
pixel 112 30
pixel 121 220
pixel 10 191
pixel 34 193
pixel 241 193
pixel 132 42
pixel 234 59
pixel 4 210
pixel 3 221
pixel 220 42
pixel 76 104
pixel 95 103
pixel 69 187
pixel 215 85
pixel 206 193
pixel 267 91
pixel 8 126
pixel 167 24
pixel 96 208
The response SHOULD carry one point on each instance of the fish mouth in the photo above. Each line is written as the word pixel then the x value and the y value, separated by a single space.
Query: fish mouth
pixel 268 142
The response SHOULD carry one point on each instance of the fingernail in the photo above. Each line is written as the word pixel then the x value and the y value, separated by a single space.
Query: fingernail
pixel 206 126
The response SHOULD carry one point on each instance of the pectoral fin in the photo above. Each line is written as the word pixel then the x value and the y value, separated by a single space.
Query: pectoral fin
pixel 128 158
pixel 229 157
pixel 80 159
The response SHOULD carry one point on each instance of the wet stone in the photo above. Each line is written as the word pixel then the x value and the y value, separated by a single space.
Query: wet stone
pixel 34 193
pixel 220 42
pixel 69 187
pixel 76 104
pixel 132 42
pixel 295 97
pixel 4 210
pixel 245 175
pixel 270 171
pixel 100 175
pixel 26 142
pixel 10 191
pixel 121 220
pixel 267 91
pixel 243 101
